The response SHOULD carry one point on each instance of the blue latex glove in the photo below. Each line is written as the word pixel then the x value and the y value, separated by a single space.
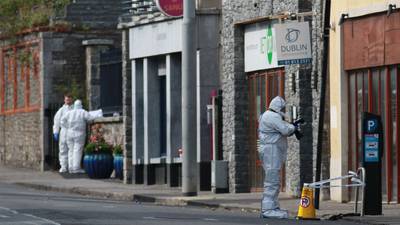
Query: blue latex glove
pixel 55 136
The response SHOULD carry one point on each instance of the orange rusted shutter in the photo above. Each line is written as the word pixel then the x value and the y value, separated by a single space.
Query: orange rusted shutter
pixel 364 42
pixel 371 41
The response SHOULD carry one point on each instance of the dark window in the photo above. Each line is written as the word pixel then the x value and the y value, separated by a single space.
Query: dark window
pixel 111 82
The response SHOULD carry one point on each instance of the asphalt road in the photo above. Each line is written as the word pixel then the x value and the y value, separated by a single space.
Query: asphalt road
pixel 22 206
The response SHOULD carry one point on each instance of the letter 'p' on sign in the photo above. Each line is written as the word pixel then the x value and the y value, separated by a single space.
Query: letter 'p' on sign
pixel 371 126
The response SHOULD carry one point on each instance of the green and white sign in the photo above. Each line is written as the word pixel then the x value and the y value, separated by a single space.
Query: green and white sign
pixel 293 43
pixel 260 48
pixel 270 44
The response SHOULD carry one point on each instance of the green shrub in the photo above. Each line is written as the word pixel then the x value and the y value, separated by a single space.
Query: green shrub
pixel 96 148
pixel 117 150
pixel 17 15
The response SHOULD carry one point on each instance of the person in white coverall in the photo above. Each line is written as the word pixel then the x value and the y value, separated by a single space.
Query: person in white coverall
pixel 60 132
pixel 273 133
pixel 75 121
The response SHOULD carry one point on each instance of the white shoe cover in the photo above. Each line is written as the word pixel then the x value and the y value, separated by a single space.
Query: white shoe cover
pixel 63 170
pixel 77 171
pixel 276 213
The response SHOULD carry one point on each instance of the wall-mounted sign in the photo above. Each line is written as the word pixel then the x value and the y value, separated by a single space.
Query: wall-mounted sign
pixel 155 39
pixel 259 47
pixel 270 44
pixel 172 8
pixel 293 43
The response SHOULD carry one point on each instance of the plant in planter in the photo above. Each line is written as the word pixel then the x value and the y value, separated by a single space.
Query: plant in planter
pixel 118 161
pixel 98 159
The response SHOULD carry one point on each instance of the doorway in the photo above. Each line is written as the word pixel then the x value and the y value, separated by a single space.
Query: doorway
pixel 263 86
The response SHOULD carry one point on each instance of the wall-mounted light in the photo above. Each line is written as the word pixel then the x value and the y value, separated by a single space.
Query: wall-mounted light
pixel 342 18
pixel 391 8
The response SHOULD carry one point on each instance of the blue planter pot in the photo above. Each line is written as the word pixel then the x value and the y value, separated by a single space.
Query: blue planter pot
pixel 98 166
pixel 119 166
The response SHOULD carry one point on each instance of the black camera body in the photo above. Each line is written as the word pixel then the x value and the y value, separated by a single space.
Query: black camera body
pixel 297 133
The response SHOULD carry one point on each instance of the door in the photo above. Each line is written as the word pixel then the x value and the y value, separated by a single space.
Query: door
pixel 263 87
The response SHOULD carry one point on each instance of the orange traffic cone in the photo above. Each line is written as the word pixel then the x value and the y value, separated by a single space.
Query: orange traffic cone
pixel 306 206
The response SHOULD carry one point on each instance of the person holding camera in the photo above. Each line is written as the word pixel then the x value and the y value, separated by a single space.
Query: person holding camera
pixel 273 133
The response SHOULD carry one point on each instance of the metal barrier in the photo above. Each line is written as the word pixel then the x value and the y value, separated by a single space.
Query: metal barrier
pixel 357 180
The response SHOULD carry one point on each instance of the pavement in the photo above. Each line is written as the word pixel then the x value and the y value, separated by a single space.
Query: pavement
pixel 114 189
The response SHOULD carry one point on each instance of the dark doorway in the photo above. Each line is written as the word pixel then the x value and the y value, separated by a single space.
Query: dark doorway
pixel 111 82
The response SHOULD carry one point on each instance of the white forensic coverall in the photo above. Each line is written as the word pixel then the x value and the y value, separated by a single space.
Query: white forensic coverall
pixel 273 132
pixel 75 120
pixel 61 131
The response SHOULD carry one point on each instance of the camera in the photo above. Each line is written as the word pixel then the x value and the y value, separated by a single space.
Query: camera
pixel 297 133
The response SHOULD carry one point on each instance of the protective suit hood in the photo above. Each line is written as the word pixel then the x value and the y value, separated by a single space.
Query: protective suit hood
pixel 277 104
pixel 78 104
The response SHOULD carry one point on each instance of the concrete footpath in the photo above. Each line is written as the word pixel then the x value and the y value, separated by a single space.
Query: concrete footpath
pixel 162 195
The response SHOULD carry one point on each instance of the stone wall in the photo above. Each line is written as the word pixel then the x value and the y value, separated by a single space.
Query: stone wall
pixel 22 145
pixel 94 14
pixel 64 60
pixel 63 67
pixel 299 92
pixel 113 130
pixel 20 122
pixel 61 61
pixel 127 106
pixel 318 9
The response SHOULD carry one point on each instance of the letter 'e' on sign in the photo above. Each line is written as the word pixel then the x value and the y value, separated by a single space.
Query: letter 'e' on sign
pixel 293 44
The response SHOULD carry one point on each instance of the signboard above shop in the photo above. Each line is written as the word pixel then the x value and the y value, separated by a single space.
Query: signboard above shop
pixel 155 39
pixel 293 43
pixel 270 45
pixel 171 8
pixel 259 47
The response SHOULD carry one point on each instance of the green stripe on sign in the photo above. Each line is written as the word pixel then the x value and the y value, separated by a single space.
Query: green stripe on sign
pixel 270 46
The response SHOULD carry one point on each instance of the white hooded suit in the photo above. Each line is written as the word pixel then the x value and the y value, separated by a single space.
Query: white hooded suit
pixel 273 132
pixel 75 121
pixel 60 130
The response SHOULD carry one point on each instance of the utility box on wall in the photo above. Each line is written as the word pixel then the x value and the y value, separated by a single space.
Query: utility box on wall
pixel 219 176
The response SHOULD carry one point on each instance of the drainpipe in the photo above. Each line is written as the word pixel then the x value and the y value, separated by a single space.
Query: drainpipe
pixel 324 75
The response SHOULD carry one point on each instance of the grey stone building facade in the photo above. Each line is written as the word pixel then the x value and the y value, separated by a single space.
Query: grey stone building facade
pixel 301 89
pixel 58 64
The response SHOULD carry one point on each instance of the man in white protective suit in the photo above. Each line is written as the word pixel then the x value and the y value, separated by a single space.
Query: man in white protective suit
pixel 273 133
pixel 59 133
pixel 75 121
